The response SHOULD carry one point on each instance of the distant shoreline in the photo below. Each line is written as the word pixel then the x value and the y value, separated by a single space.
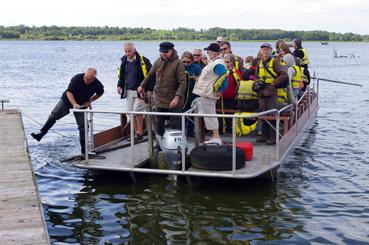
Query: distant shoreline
pixel 162 40
pixel 106 33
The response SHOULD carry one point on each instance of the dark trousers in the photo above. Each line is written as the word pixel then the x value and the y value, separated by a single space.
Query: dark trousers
pixel 268 103
pixel 248 105
pixel 226 123
pixel 307 74
pixel 174 121
pixel 61 110
pixel 190 126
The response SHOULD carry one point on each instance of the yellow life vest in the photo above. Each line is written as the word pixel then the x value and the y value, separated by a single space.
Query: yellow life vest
pixel 234 75
pixel 245 126
pixel 304 78
pixel 268 78
pixel 245 92
pixel 237 62
pixel 296 79
pixel 282 95
pixel 305 59
pixel 265 76
pixel 143 66
pixel 187 89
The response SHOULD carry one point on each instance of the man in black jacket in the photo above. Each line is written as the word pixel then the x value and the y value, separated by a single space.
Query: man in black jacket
pixel 132 72
pixel 301 53
pixel 83 89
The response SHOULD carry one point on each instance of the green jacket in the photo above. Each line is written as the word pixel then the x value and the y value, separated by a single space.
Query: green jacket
pixel 170 81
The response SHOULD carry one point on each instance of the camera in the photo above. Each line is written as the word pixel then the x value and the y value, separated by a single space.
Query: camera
pixel 259 86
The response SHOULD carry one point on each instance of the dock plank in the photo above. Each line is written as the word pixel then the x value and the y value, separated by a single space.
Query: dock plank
pixel 21 214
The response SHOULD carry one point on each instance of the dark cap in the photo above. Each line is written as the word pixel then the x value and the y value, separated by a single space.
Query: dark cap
pixel 266 45
pixel 213 47
pixel 166 46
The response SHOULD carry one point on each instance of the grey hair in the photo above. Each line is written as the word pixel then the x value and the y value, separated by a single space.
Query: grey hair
pixel 231 57
pixel 128 44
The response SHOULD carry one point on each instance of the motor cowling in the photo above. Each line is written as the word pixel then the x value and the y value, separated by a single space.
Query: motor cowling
pixel 171 144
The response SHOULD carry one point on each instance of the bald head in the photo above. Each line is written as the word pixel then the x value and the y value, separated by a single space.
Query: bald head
pixel 90 75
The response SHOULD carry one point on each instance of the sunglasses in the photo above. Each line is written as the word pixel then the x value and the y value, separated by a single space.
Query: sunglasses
pixel 227 61
pixel 222 49
pixel 196 54
pixel 186 62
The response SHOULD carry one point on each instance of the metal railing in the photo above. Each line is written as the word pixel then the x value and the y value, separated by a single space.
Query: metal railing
pixel 88 122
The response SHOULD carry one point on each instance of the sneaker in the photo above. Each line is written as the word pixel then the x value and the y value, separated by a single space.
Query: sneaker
pixel 137 137
pixel 270 141
pixel 217 141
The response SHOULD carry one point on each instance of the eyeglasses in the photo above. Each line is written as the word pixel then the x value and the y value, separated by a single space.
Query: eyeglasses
pixel 186 62
pixel 196 54
pixel 222 49
pixel 227 61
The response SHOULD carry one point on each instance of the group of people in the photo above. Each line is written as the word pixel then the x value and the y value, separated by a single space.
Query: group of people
pixel 219 80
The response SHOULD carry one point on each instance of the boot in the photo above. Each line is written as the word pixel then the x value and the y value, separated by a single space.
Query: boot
pixel 265 133
pixel 271 140
pixel 49 123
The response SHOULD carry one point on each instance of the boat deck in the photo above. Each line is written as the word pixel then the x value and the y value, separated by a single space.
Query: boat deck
pixel 266 158
pixel 121 159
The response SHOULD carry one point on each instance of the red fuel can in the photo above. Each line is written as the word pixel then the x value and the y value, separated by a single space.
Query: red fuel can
pixel 248 149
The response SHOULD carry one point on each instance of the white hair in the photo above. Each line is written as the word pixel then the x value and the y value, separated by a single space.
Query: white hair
pixel 128 44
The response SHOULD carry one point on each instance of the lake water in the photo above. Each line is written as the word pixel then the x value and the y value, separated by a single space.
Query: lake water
pixel 321 196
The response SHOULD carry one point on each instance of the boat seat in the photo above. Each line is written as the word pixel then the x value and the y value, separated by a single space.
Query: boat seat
pixel 286 119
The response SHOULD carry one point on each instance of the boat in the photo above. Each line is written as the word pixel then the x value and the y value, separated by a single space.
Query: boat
pixel 112 151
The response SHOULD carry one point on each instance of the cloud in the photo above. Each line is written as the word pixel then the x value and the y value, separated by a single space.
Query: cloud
pixel 330 15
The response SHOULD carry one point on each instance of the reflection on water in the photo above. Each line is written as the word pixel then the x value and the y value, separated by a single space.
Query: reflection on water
pixel 321 195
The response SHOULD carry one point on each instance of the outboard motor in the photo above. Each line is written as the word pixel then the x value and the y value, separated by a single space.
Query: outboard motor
pixel 171 144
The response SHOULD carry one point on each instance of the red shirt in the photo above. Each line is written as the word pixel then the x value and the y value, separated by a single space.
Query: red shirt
pixel 230 91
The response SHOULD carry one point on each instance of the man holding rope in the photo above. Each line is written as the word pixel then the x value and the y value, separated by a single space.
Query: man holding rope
pixel 83 89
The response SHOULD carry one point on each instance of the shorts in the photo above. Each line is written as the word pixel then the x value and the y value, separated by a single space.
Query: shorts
pixel 133 102
pixel 207 106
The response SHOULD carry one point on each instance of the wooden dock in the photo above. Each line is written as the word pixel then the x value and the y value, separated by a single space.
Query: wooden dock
pixel 21 213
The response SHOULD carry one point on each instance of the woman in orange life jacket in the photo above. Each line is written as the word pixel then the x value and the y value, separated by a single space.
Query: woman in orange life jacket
pixel 228 101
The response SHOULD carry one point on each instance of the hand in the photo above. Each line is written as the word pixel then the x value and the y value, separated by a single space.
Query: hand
pixel 76 106
pixel 87 104
pixel 141 92
pixel 174 102
pixel 119 90
pixel 219 94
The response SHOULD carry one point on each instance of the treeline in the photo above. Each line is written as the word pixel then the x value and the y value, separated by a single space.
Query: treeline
pixel 123 33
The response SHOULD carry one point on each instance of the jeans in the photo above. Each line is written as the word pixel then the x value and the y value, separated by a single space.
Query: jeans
pixel 61 110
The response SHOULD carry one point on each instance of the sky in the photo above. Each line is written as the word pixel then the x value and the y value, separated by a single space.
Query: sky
pixel 328 15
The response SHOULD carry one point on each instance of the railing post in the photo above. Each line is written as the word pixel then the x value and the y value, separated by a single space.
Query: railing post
pixel 183 143
pixel 2 103
pixel 149 134
pixel 132 135
pixel 296 117
pixel 308 93
pixel 197 128
pixel 277 136
pixel 91 121
pixel 86 133
pixel 317 88
pixel 234 145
